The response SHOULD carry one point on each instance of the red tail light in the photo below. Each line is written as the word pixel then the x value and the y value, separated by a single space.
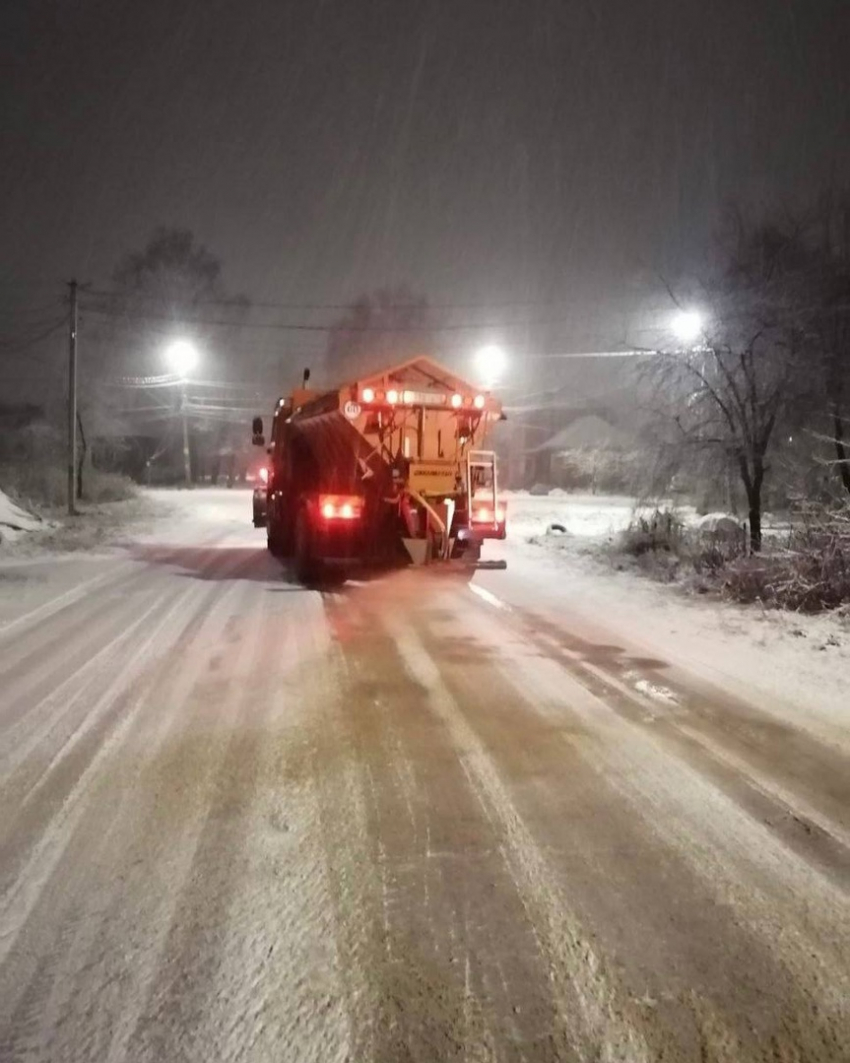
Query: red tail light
pixel 484 514
pixel 340 507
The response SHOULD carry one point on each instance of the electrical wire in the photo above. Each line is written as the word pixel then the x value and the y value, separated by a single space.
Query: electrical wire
pixel 302 327
pixel 251 304
pixel 23 344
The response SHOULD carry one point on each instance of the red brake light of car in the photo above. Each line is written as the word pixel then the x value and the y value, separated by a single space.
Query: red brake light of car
pixel 340 507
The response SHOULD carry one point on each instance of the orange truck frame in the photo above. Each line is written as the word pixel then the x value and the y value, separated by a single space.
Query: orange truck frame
pixel 389 470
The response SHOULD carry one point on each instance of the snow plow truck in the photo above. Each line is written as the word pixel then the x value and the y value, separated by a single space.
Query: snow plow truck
pixel 384 472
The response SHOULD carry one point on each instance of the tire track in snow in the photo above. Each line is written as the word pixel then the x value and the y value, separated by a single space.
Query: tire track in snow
pixel 179 972
pixel 794 914
pixel 800 763
pixel 435 899
pixel 86 838
pixel 38 721
pixel 50 661
pixel 19 627
pixel 595 1013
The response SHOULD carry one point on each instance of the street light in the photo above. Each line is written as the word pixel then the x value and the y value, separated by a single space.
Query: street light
pixel 687 326
pixel 492 362
pixel 182 356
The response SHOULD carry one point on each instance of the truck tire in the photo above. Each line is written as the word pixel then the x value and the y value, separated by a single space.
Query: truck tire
pixel 302 550
pixel 274 539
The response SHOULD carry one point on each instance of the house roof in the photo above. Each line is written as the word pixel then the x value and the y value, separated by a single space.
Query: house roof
pixel 588 431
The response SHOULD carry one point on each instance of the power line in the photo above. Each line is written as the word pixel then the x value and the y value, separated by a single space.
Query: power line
pixel 23 344
pixel 302 327
pixel 251 304
pixel 22 312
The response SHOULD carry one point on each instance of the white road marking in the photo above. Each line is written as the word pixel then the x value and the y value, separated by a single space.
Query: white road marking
pixel 489 598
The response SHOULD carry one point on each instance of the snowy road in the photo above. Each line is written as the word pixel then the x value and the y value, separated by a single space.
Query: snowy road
pixel 409 820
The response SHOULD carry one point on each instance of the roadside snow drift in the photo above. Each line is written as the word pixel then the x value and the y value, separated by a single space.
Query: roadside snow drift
pixel 14 520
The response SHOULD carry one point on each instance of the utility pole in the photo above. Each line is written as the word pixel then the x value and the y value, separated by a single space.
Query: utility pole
pixel 72 402
pixel 187 463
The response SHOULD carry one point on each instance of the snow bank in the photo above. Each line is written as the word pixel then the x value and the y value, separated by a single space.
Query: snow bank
pixel 584 516
pixel 14 520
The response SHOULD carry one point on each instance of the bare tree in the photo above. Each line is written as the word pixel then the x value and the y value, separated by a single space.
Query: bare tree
pixel 173 288
pixel 390 325
pixel 728 394
pixel 829 325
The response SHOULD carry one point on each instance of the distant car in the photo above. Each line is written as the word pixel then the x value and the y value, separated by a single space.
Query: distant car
pixel 260 501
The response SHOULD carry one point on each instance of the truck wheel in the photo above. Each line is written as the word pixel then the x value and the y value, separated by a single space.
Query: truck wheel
pixel 274 539
pixel 302 554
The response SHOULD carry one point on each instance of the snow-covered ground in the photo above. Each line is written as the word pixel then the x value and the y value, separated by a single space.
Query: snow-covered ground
pixel 800 664
pixel 14 521
pixel 592 517
pixel 410 818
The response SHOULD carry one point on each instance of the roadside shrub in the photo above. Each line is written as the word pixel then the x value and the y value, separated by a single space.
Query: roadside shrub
pixel 99 486
pixel 658 532
pixel 35 484
pixel 714 543
pixel 40 485
pixel 811 575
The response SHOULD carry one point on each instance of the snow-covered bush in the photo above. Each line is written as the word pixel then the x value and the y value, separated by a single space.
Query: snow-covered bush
pixel 811 575
pixel 659 532
pixel 33 471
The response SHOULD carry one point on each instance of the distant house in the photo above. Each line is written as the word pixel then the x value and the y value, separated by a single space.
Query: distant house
pixel 590 406
pixel 588 450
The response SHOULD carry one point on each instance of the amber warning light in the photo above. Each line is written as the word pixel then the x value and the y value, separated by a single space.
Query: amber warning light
pixel 407 397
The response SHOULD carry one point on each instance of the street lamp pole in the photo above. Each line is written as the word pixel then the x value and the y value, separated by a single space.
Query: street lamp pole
pixel 72 402
pixel 182 355
pixel 187 462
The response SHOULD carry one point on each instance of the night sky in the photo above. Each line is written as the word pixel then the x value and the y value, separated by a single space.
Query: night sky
pixel 546 151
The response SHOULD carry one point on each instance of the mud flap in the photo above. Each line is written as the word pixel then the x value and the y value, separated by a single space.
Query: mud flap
pixel 417 550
